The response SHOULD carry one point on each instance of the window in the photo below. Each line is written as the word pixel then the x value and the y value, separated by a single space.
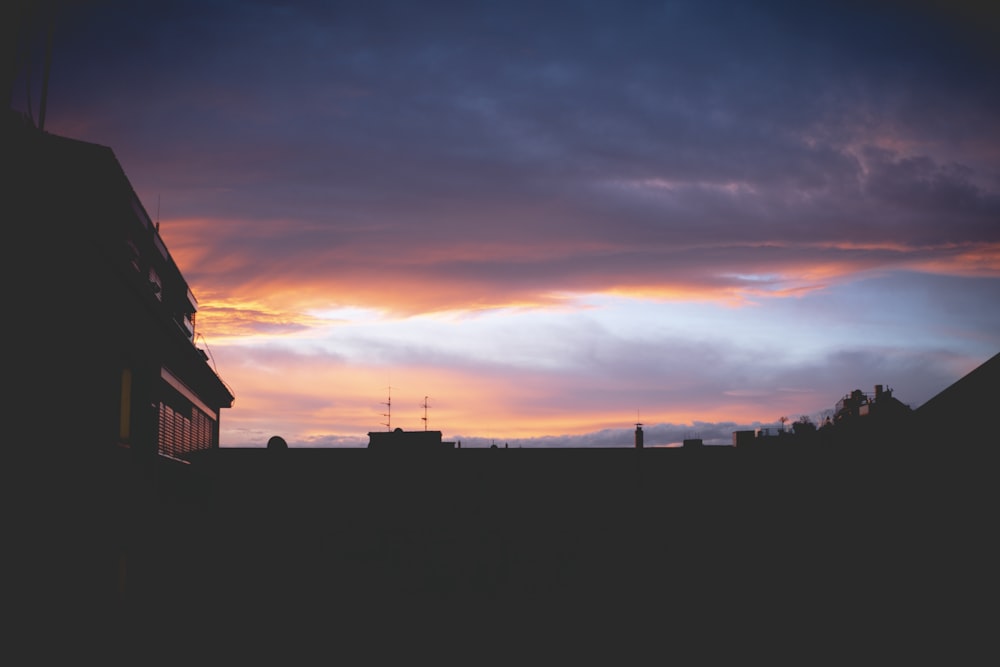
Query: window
pixel 155 283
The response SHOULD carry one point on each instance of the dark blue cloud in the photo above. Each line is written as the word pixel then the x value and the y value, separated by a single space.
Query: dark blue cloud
pixel 637 130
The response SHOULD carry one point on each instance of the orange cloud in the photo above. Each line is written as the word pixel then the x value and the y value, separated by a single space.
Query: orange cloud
pixel 246 289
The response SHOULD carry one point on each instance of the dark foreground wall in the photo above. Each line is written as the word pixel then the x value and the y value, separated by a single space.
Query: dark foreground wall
pixel 504 527
pixel 802 543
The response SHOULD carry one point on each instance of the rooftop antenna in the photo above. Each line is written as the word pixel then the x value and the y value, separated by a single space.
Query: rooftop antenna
pixel 43 104
pixel 22 37
pixel 388 413
pixel 425 413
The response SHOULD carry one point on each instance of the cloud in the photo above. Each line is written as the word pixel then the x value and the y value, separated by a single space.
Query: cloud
pixel 709 213
pixel 522 151
pixel 600 366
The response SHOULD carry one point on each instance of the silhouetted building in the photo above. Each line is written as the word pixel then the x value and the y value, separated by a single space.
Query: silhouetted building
pixel 398 439
pixel 693 442
pixel 859 404
pixel 761 437
pixel 865 420
pixel 849 406
pixel 638 436
pixel 962 414
pixel 110 362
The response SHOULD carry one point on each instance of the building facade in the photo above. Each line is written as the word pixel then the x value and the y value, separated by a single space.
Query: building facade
pixel 400 440
pixel 110 362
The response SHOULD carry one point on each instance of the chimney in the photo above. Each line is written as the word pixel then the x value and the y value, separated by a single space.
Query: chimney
pixel 878 392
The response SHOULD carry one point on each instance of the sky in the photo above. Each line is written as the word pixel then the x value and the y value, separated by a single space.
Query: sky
pixel 541 223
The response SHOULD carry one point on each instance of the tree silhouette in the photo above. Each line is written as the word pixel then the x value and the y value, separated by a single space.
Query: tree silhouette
pixel 803 426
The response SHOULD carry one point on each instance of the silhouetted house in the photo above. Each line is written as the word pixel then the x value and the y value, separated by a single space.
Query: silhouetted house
pixel 963 413
pixel 106 358
pixel 693 442
pixel 859 404
pixel 744 438
pixel 869 419
pixel 401 440
pixel 849 406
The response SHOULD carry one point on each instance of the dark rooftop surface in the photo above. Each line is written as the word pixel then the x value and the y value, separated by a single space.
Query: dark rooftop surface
pixel 710 532
pixel 834 547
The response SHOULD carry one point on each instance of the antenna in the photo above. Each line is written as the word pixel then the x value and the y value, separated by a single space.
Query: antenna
pixel 43 104
pixel 388 413
pixel 425 413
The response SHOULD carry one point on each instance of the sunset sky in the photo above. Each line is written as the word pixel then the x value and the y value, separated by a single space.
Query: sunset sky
pixel 554 219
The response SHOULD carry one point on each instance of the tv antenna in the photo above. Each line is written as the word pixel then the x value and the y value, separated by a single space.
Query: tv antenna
pixel 24 34
pixel 388 412
pixel 424 418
